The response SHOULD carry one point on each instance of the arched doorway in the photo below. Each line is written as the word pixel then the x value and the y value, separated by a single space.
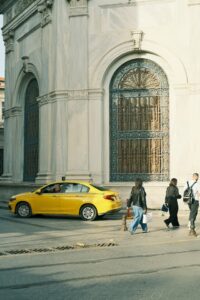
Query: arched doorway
pixel 31 131
pixel 139 122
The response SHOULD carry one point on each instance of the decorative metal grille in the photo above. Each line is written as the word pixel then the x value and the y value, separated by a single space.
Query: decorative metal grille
pixel 31 131
pixel 139 122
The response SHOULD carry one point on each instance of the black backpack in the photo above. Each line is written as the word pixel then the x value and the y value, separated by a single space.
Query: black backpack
pixel 188 195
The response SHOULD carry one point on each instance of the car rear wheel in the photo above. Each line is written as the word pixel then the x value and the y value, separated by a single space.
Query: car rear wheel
pixel 23 210
pixel 88 213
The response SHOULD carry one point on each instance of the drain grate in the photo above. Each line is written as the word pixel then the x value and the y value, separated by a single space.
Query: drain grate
pixel 21 251
pixel 58 248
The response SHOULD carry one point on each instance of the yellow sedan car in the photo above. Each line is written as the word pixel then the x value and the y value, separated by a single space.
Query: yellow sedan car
pixel 75 198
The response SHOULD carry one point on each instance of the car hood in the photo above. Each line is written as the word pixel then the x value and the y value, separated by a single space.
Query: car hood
pixel 22 194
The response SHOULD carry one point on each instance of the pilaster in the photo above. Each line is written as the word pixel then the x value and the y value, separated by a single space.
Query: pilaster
pixel 53 136
pixel 78 95
pixel 10 138
pixel 96 123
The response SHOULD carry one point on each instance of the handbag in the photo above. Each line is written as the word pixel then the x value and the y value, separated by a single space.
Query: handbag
pixel 165 208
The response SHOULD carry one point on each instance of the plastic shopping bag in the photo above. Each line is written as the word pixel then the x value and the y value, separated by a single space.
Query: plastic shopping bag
pixel 147 218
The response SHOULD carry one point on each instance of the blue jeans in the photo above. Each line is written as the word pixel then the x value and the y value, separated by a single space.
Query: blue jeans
pixel 138 216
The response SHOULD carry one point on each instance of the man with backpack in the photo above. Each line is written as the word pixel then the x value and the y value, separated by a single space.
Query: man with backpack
pixel 191 197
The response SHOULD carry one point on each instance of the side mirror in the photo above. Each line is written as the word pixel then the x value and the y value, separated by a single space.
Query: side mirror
pixel 38 193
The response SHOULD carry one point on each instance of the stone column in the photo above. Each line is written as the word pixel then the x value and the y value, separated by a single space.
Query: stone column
pixel 78 105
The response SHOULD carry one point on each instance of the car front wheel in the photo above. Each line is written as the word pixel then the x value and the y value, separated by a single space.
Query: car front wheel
pixel 23 210
pixel 88 213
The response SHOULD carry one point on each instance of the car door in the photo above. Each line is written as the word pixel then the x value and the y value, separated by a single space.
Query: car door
pixel 48 201
pixel 73 197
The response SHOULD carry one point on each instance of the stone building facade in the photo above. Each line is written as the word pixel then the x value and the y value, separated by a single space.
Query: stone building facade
pixel 107 90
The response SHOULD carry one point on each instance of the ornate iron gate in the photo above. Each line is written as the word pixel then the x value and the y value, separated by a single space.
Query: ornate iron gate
pixel 139 122
pixel 31 131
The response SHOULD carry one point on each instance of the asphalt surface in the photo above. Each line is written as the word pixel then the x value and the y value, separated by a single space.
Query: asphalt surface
pixel 66 258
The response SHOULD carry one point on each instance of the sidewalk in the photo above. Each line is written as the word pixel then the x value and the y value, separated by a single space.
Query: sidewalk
pixel 44 232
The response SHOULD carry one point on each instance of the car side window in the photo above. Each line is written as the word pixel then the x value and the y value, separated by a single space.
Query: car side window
pixel 84 189
pixel 52 188
pixel 74 188
pixel 65 188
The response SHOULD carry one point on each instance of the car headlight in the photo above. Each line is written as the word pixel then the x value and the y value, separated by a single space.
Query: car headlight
pixel 12 198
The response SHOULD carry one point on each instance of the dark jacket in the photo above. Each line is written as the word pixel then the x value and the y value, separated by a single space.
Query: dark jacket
pixel 172 194
pixel 137 198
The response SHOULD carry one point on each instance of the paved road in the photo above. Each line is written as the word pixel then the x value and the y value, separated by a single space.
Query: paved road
pixel 159 265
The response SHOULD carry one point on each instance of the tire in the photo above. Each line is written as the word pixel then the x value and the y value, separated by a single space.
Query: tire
pixel 23 210
pixel 88 213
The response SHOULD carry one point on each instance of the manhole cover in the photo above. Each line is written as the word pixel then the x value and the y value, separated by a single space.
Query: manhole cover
pixel 58 248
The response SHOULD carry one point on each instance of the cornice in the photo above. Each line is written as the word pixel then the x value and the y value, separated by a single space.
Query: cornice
pixel 12 112
pixel 21 18
pixel 19 12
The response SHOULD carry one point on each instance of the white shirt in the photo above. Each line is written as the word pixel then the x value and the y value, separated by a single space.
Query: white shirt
pixel 195 188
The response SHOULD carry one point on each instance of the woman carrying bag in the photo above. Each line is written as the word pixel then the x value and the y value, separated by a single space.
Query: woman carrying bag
pixel 172 194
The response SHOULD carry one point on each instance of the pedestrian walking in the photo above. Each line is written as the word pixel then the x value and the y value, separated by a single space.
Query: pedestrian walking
pixel 194 204
pixel 172 194
pixel 138 202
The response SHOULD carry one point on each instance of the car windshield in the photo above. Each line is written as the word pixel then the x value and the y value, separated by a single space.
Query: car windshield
pixel 99 187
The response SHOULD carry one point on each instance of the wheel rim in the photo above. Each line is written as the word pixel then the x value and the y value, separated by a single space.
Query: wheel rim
pixel 88 213
pixel 23 210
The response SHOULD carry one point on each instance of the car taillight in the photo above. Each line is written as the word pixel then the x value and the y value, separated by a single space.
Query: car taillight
pixel 110 197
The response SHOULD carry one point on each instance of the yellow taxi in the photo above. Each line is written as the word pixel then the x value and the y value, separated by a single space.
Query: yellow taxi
pixel 75 198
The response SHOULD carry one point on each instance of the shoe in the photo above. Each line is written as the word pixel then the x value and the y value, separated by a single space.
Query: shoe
pixel 193 233
pixel 175 227
pixel 166 224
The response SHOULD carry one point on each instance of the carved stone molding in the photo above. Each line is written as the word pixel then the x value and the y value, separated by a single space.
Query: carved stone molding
pixel 9 41
pixel 16 15
pixel 131 3
pixel 12 112
pixel 21 5
pixel 43 100
pixel 78 8
pixel 96 94
pixel 52 97
pixel 45 9
pixel 137 36
pixel 78 95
